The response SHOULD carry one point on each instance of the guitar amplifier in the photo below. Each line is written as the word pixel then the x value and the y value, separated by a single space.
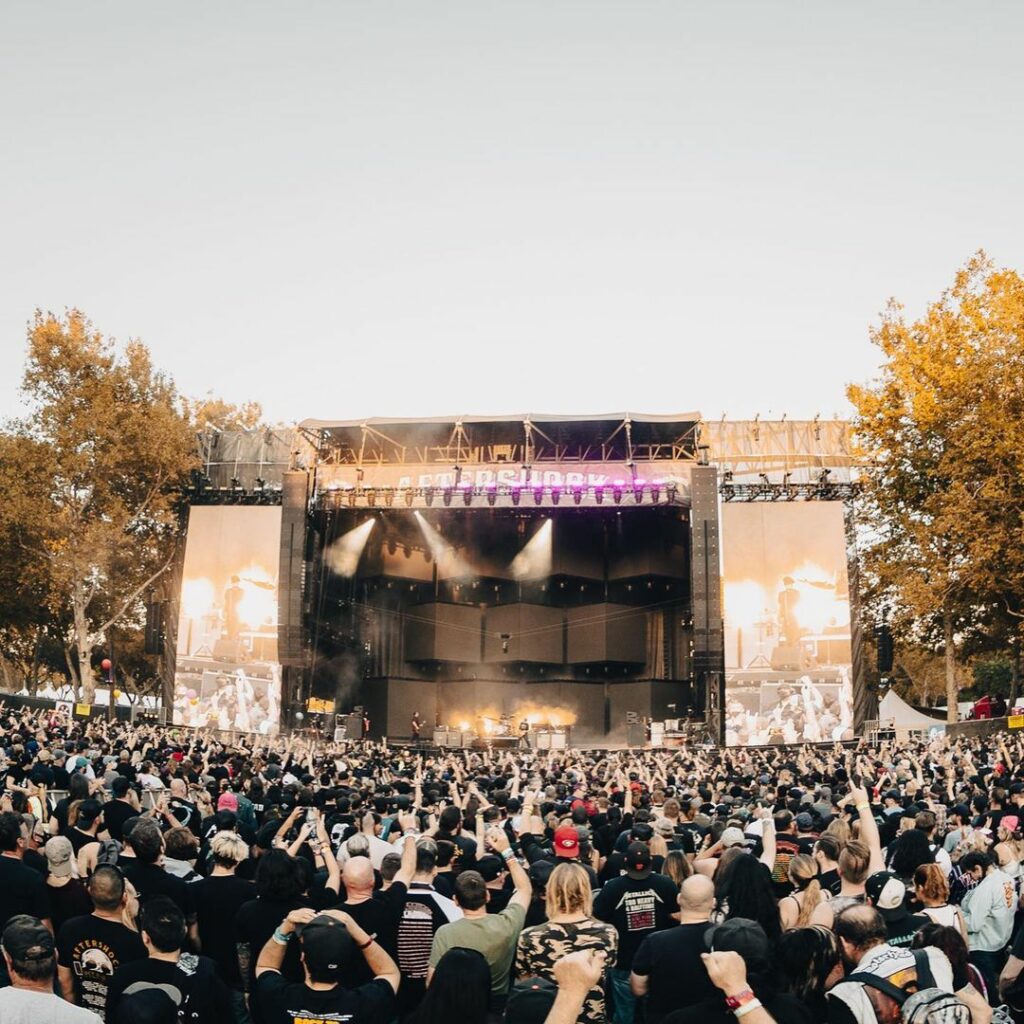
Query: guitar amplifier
pixel 636 734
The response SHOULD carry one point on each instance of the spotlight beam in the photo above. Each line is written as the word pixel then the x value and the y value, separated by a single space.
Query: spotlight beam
pixel 534 561
pixel 343 555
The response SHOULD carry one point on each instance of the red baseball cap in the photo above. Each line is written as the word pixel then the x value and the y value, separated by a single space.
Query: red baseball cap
pixel 567 841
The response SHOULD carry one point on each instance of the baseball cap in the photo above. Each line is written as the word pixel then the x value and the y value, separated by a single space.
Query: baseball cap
pixel 530 1001
pixel 741 935
pixel 804 822
pixel 567 841
pixel 326 946
pixel 540 872
pixel 642 831
pixel 227 802
pixel 664 827
pixel 58 856
pixel 887 894
pixel 733 836
pixel 490 867
pixel 638 860
pixel 27 939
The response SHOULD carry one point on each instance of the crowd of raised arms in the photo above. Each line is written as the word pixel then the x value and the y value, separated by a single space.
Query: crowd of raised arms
pixel 152 875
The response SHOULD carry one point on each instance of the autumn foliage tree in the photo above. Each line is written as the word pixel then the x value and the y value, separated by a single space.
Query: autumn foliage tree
pixel 942 431
pixel 92 481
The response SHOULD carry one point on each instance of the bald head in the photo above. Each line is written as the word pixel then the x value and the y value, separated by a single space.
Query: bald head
pixel 696 898
pixel 178 788
pixel 357 875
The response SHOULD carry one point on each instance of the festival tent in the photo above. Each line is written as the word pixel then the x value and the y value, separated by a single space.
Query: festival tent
pixel 895 713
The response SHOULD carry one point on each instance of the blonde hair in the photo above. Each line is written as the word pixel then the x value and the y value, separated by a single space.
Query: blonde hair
pixel 840 829
pixel 568 891
pixel 677 867
pixel 229 848
pixel 803 873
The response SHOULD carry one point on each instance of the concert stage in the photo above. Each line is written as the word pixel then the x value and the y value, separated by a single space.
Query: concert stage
pixel 559 570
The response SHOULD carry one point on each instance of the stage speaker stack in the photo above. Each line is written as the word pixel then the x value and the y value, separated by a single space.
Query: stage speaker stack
pixel 636 733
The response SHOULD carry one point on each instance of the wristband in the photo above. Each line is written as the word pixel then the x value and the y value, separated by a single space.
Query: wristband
pixel 507 855
pixel 863 807
pixel 281 938
pixel 750 1004
pixel 741 997
pixel 369 942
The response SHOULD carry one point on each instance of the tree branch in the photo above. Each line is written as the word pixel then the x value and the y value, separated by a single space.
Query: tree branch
pixel 126 603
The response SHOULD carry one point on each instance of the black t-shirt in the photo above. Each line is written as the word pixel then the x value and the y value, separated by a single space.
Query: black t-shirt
pixel 217 900
pixel 255 923
pixel 378 916
pixel 22 891
pixel 151 880
pixel 93 948
pixel 636 907
pixel 671 962
pixel 903 929
pixel 186 813
pixel 68 901
pixel 831 881
pixel 284 1002
pixel 784 1008
pixel 192 983
pixel 115 814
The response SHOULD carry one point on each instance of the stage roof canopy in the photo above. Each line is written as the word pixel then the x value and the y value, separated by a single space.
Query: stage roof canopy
pixel 531 437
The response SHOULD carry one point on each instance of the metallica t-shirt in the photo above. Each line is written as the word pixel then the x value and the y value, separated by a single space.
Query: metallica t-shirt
pixel 93 948
pixel 637 907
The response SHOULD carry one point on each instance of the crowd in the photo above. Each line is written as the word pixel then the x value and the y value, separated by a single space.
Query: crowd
pixel 152 875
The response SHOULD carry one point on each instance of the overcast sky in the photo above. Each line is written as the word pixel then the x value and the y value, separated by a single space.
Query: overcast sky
pixel 345 209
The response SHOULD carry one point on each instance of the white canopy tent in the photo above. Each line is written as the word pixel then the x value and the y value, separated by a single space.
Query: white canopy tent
pixel 895 713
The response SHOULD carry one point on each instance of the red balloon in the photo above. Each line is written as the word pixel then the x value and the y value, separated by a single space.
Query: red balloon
pixel 105 664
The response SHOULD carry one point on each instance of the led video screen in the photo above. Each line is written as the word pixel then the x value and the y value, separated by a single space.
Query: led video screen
pixel 227 675
pixel 786 595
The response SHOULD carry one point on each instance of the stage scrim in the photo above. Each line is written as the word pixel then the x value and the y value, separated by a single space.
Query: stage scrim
pixel 788 653
pixel 227 675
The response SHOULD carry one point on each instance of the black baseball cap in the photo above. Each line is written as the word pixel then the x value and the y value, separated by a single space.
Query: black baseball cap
pixel 638 860
pixel 326 946
pixel 530 1001
pixel 744 936
pixel 26 939
pixel 490 867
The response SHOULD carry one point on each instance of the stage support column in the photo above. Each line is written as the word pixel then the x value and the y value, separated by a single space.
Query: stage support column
pixel 706 589
pixel 290 648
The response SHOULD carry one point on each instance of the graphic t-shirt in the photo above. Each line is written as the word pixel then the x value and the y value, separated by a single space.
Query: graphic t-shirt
pixel 424 913
pixel 286 1002
pixel 636 907
pixel 92 948
pixel 192 983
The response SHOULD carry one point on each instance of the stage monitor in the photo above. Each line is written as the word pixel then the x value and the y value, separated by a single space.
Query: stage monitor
pixel 227 674
pixel 788 654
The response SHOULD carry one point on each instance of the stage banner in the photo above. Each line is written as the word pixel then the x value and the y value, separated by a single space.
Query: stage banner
pixel 227 674
pixel 788 651
pixel 567 475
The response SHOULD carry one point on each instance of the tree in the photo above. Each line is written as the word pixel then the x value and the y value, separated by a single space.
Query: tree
pixel 92 487
pixel 941 430
pixel 211 413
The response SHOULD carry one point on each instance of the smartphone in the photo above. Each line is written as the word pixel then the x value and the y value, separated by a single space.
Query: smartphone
pixel 311 817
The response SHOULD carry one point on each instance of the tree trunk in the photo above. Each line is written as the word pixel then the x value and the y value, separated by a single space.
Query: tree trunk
pixel 1015 673
pixel 952 710
pixel 83 646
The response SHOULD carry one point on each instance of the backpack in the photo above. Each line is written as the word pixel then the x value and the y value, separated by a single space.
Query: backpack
pixel 108 852
pixel 888 999
pixel 933 1006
